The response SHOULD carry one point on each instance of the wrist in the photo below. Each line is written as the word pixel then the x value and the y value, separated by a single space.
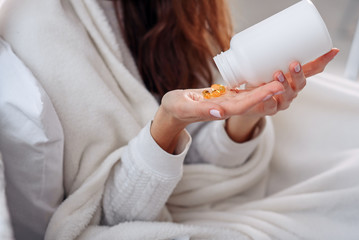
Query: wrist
pixel 241 128
pixel 165 130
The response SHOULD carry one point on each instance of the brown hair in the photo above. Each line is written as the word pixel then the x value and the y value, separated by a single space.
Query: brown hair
pixel 173 41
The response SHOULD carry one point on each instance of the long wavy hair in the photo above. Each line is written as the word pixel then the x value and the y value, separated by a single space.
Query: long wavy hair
pixel 173 41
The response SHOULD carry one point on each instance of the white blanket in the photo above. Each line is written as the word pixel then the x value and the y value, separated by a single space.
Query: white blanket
pixel 311 190
pixel 308 190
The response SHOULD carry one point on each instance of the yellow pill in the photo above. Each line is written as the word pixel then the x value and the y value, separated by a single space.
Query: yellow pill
pixel 219 87
pixel 206 94
pixel 215 93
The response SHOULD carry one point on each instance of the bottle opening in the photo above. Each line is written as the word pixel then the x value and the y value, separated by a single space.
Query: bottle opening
pixel 224 62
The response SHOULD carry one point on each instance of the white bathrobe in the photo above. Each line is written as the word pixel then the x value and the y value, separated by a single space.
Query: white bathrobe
pixel 308 190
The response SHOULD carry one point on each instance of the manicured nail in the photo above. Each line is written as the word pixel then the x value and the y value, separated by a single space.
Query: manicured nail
pixel 278 93
pixel 297 68
pixel 267 97
pixel 215 113
pixel 281 77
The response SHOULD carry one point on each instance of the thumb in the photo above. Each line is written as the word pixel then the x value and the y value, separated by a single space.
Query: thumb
pixel 209 111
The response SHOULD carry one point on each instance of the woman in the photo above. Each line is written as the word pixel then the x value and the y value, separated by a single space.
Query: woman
pixel 115 72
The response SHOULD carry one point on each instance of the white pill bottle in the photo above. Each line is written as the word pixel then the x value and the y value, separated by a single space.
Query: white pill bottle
pixel 297 33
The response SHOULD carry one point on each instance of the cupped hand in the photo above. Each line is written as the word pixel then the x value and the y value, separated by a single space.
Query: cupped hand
pixel 182 107
pixel 243 109
pixel 188 106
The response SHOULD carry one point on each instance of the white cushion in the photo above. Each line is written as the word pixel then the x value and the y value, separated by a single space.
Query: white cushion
pixel 31 143
pixel 5 225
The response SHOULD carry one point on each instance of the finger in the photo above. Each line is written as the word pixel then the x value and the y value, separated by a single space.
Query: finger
pixel 210 111
pixel 298 80
pixel 242 102
pixel 284 98
pixel 319 64
pixel 200 110
pixel 269 107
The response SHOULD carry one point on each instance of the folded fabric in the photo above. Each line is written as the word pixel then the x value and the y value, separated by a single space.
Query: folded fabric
pixel 31 142
pixel 210 202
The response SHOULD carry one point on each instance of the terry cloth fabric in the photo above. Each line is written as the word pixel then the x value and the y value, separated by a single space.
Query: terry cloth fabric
pixel 139 185
pixel 210 202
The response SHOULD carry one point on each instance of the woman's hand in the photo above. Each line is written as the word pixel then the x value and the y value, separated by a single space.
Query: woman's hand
pixel 242 109
pixel 182 107
pixel 240 128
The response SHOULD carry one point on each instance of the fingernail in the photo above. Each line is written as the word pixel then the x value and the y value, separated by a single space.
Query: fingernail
pixel 297 68
pixel 336 52
pixel 281 77
pixel 277 93
pixel 267 97
pixel 215 113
